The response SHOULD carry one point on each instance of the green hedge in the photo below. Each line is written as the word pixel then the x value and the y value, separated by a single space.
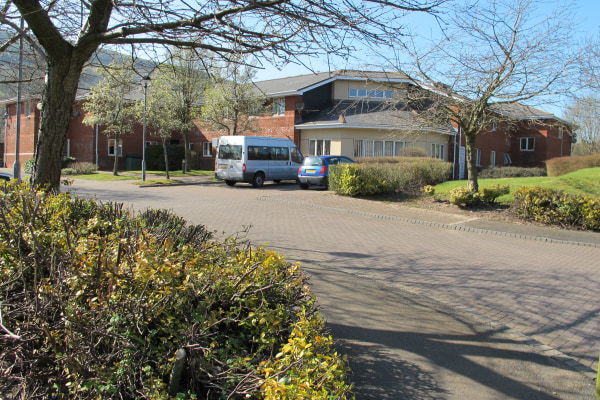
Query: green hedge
pixel 463 196
pixel 510 172
pixel 554 207
pixel 155 159
pixel 367 179
pixel 99 302
pixel 563 165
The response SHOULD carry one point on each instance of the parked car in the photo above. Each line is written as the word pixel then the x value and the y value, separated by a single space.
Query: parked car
pixel 315 169
pixel 5 176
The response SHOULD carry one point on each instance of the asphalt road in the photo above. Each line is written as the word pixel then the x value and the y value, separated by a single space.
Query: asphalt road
pixel 425 310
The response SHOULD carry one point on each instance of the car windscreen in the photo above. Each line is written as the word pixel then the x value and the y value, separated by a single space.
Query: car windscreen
pixel 313 162
pixel 230 152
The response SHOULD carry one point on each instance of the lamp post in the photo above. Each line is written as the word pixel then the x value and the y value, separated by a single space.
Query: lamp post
pixel 146 81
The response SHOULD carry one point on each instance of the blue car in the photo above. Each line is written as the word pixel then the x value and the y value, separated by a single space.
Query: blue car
pixel 315 169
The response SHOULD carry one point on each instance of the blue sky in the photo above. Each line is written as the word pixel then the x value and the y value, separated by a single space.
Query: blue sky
pixel 587 16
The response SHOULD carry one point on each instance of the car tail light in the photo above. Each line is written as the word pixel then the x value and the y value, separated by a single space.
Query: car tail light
pixel 323 170
pixel 244 167
pixel 300 170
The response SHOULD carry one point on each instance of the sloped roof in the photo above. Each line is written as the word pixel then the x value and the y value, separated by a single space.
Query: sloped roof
pixel 297 85
pixel 522 112
pixel 370 115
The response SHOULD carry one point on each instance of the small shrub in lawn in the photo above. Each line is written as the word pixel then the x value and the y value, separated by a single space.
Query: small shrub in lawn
pixel 429 190
pixel 68 171
pixel 79 168
pixel 462 196
pixel 491 194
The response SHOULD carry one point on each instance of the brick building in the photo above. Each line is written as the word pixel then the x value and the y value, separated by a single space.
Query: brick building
pixel 351 113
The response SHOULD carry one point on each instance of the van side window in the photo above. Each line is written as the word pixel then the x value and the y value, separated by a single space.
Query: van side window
pixel 280 153
pixel 258 153
pixel 230 152
pixel 296 155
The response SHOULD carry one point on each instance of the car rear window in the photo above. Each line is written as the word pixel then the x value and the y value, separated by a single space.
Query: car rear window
pixel 313 162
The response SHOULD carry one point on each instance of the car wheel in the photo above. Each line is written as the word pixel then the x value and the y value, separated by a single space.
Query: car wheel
pixel 303 185
pixel 230 183
pixel 258 180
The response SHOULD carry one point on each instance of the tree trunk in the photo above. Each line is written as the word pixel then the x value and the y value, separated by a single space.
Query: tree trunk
pixel 57 106
pixel 116 163
pixel 164 143
pixel 186 143
pixel 471 162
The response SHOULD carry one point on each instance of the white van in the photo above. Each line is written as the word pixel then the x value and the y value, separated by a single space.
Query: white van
pixel 256 159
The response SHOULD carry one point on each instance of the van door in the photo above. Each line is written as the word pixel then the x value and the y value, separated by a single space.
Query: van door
pixel 279 163
pixel 229 162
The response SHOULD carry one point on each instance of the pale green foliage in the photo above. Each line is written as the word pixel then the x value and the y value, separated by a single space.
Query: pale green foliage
pixel 232 100
pixel 109 104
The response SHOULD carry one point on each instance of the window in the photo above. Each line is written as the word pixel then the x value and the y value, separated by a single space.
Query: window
pixel 319 147
pixel 296 155
pixel 27 109
pixel 207 149
pixel 379 148
pixel 493 159
pixel 437 151
pixel 478 157
pixel 374 94
pixel 560 132
pixel 280 153
pixel 507 159
pixel 230 152
pixel 112 143
pixel 494 125
pixel 527 144
pixel 279 106
pixel 190 146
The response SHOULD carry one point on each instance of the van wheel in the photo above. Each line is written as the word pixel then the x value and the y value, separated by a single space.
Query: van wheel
pixel 230 183
pixel 258 180
pixel 303 185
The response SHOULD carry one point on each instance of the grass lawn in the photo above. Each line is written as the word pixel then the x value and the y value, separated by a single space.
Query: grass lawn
pixel 584 181
pixel 137 175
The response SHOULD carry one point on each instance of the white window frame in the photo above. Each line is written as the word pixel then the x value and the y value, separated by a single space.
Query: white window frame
pixel 560 132
pixel 114 145
pixel 27 109
pixel 507 159
pixel 67 149
pixel 279 106
pixel 493 158
pixel 371 148
pixel 207 149
pixel 494 125
pixel 357 93
pixel 477 157
pixel 319 147
pixel 526 141
pixel 437 151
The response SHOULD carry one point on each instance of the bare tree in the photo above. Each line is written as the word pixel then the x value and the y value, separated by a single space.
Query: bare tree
pixel 232 100
pixel 492 54
pixel 68 32
pixel 585 113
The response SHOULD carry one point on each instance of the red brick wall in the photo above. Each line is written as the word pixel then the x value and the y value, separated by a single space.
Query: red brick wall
pixel 27 134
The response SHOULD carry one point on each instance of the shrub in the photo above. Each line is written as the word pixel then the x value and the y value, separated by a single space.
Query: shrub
pixel 155 158
pixel 374 178
pixel 554 207
pixel 510 172
pixel 491 194
pixel 67 161
pixel 429 190
pixel 80 168
pixel 462 196
pixel 564 165
pixel 28 166
pixel 99 301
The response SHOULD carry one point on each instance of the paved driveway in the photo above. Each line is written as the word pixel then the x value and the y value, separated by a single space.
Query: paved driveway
pixel 548 291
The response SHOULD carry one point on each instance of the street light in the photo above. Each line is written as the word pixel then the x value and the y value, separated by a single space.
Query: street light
pixel 146 81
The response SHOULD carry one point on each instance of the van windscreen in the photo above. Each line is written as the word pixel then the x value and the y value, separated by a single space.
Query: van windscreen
pixel 230 152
